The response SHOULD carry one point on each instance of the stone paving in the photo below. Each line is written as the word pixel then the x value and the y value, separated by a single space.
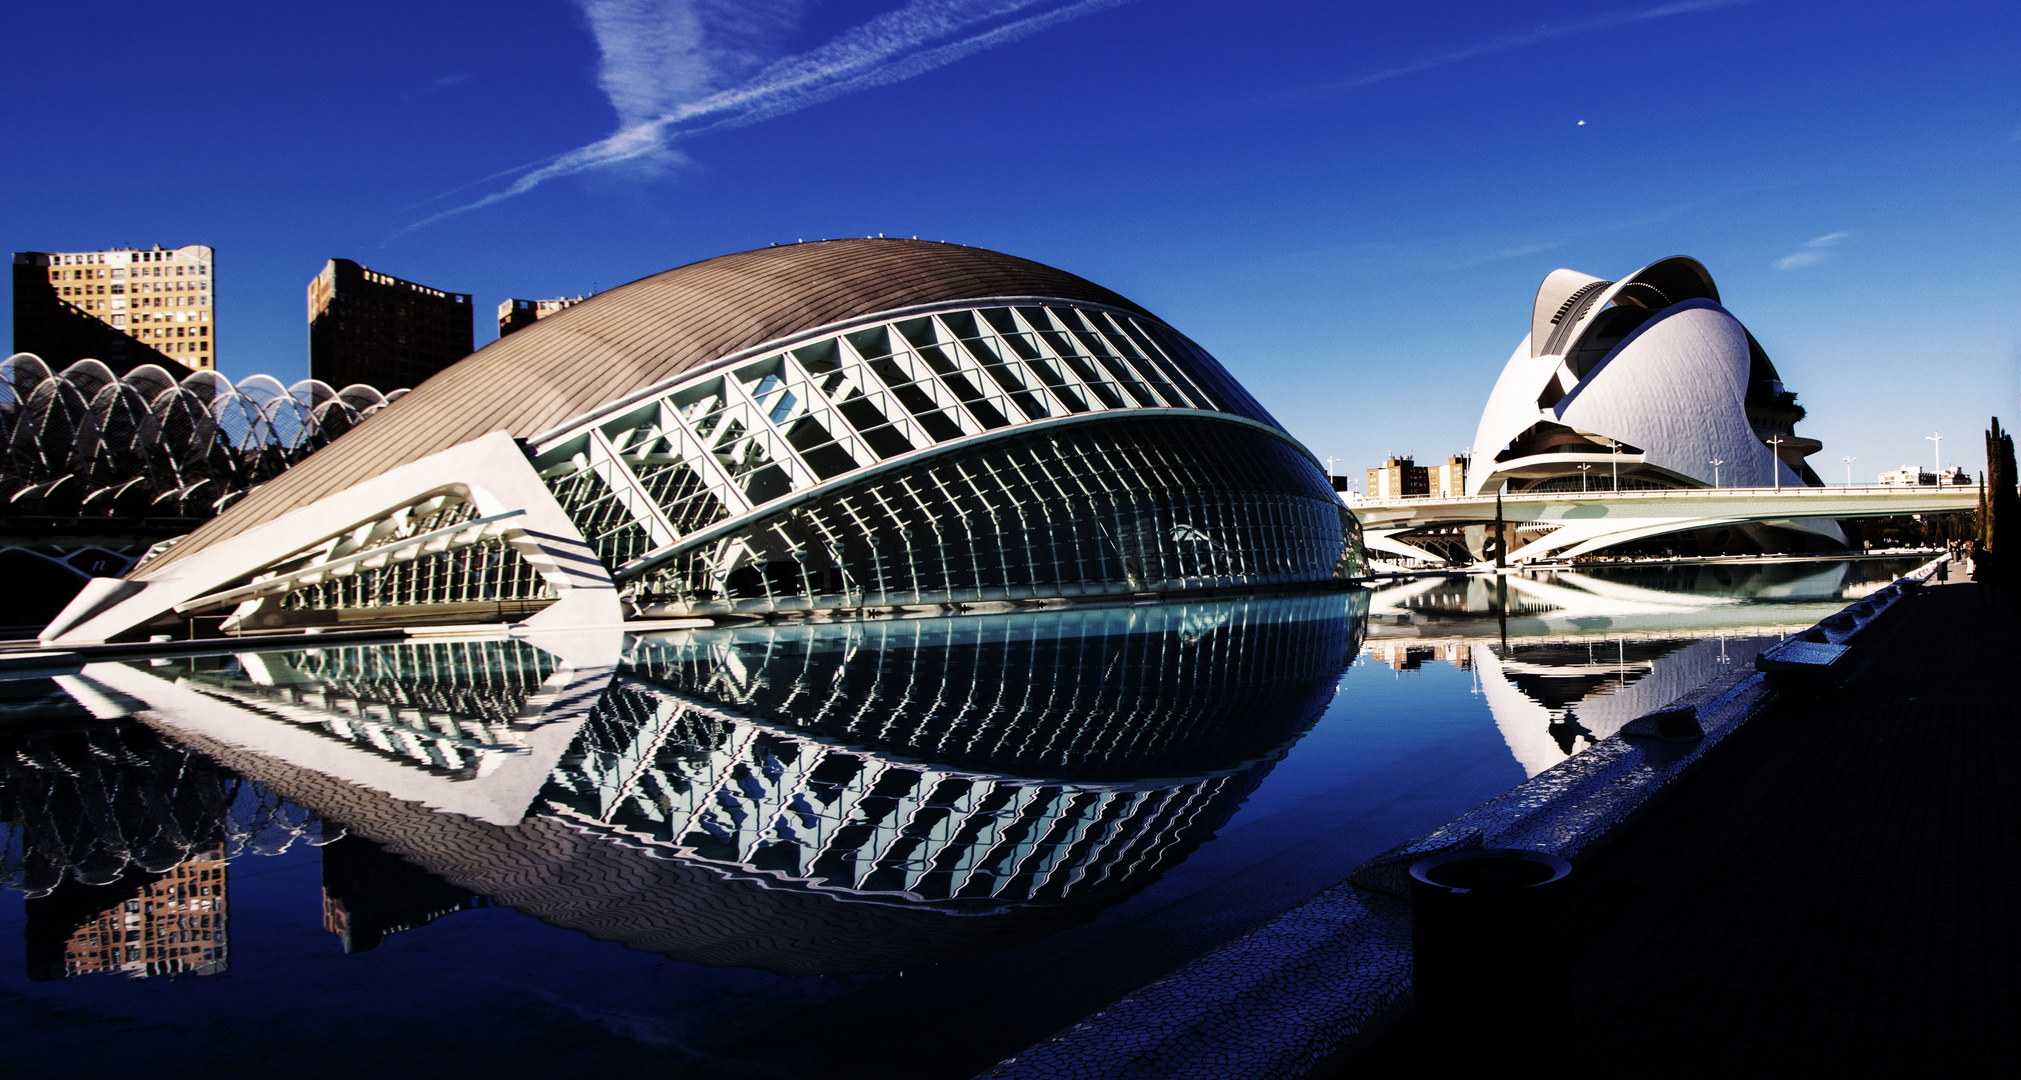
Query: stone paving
pixel 1834 893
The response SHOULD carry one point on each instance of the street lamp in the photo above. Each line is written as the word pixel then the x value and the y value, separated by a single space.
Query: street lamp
pixel 1715 463
pixel 1775 459
pixel 1939 440
pixel 1849 469
pixel 1582 477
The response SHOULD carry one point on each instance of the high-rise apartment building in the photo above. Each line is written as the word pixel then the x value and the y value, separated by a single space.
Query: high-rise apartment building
pixel 121 306
pixel 173 925
pixel 513 314
pixel 1398 478
pixel 373 328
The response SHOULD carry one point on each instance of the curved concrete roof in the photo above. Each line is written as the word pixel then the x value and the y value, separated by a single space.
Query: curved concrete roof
pixel 641 334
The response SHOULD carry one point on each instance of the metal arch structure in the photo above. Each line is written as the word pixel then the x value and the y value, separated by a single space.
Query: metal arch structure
pixel 965 427
pixel 1581 523
pixel 83 442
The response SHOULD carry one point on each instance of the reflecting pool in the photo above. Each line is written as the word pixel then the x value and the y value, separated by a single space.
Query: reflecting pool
pixel 886 848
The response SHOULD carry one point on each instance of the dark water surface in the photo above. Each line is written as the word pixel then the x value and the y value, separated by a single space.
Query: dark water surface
pixel 885 849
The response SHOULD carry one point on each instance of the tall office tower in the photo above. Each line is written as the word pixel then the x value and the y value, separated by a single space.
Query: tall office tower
pixel 373 328
pixel 120 306
pixel 513 314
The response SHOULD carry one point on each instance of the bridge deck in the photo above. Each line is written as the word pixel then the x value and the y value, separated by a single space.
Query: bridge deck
pixel 1848 501
pixel 1592 521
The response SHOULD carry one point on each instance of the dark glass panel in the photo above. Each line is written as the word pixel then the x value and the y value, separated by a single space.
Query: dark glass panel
pixel 1133 503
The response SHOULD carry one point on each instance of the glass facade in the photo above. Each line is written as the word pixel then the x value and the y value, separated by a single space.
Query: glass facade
pixel 1134 504
pixel 885 465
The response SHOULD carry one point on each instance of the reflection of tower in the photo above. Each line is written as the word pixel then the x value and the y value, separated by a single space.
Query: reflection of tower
pixel 370 893
pixel 173 923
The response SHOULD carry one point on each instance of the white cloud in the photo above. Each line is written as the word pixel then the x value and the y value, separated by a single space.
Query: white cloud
pixel 1812 252
pixel 674 69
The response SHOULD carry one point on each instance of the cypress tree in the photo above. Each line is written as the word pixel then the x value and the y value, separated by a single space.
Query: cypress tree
pixel 2003 502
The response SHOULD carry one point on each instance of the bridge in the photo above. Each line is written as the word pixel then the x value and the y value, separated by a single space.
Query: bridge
pixel 1584 522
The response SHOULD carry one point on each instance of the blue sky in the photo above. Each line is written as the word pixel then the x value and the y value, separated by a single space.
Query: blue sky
pixel 1350 204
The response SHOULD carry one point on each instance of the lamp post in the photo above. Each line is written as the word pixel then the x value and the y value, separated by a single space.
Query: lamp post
pixel 1582 478
pixel 1716 463
pixel 1775 459
pixel 1614 459
pixel 1849 469
pixel 1938 466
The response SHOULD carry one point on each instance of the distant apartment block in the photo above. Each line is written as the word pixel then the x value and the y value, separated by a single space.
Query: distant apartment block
pixel 1916 475
pixel 513 314
pixel 373 328
pixel 1402 477
pixel 122 306
pixel 174 925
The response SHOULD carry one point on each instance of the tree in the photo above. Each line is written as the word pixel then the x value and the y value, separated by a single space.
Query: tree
pixel 2003 501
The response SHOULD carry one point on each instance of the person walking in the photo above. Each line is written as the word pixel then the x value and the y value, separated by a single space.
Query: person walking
pixel 1982 572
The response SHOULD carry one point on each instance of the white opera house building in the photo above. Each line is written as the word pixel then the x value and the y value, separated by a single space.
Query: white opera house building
pixel 1646 383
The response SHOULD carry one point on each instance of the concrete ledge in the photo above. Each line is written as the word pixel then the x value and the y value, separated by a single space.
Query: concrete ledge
pixel 1303 994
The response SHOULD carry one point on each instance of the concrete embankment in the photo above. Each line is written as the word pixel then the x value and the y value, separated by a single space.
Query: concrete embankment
pixel 1835 894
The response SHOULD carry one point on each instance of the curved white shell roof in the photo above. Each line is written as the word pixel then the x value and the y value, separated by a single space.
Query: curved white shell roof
pixel 1675 388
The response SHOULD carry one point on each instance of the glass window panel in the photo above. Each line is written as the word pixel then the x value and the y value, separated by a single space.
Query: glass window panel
pixel 871 343
pixel 829 460
pixel 908 380
pixel 864 412
pixel 1095 345
pixel 821 357
pixel 1175 373
pixel 767 483
pixel 920 332
pixel 887 441
pixel 1094 383
pixel 990 413
pixel 1148 370
pixel 962 324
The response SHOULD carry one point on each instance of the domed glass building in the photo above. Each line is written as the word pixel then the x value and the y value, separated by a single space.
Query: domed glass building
pixel 844 424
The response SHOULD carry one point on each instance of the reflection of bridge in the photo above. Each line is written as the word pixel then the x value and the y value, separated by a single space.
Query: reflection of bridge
pixel 1576 523
pixel 1662 599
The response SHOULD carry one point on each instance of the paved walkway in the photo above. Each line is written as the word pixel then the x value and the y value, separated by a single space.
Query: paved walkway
pixel 1837 893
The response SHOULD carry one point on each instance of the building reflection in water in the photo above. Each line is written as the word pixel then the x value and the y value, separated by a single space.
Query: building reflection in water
pixel 121 840
pixel 1565 658
pixel 370 894
pixel 807 798
pixel 174 924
